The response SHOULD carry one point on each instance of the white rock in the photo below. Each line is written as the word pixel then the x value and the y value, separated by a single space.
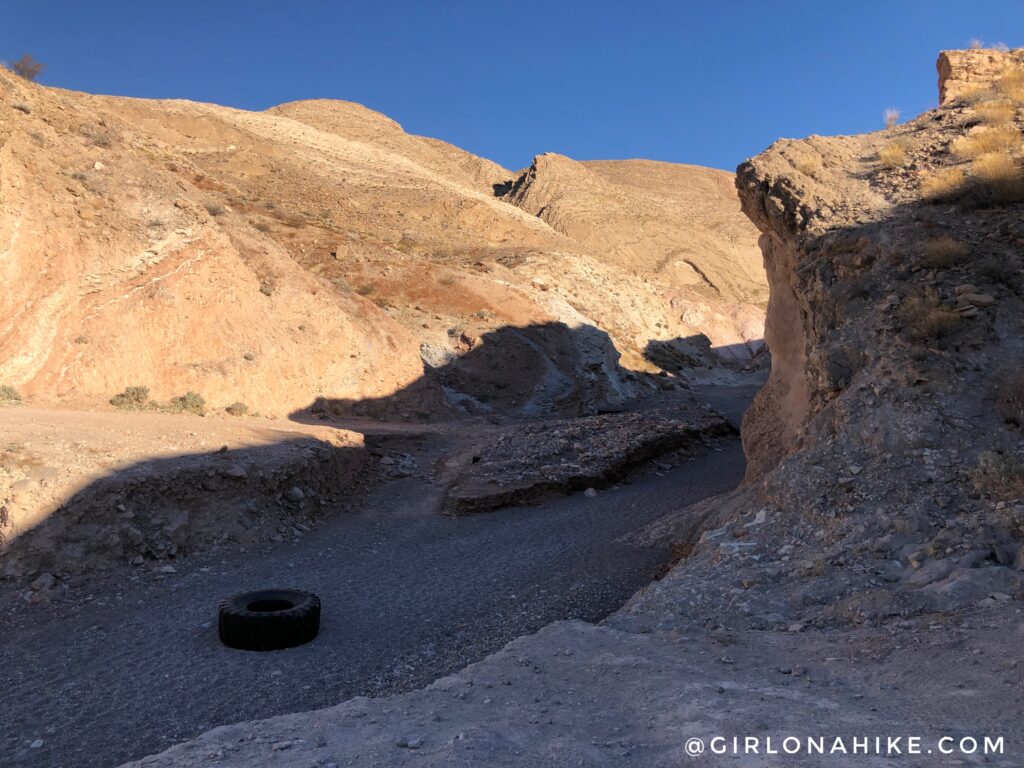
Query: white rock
pixel 590 493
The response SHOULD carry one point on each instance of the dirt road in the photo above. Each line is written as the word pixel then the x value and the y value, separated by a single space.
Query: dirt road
pixel 408 596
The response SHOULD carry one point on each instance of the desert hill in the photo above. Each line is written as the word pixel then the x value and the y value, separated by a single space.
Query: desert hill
pixel 316 252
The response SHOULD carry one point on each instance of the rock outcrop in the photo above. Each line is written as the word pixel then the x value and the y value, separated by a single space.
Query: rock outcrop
pixel 963 73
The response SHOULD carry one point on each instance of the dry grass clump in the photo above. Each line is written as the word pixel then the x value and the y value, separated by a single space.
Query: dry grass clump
pixel 893 154
pixel 943 252
pixel 926 319
pixel 133 399
pixel 215 209
pixel 98 135
pixel 891 116
pixel 1011 85
pixel 999 475
pixel 1000 178
pixel 1002 138
pixel 943 184
pixel 9 395
pixel 996 111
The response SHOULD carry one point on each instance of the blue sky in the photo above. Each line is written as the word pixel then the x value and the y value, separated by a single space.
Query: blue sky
pixel 697 82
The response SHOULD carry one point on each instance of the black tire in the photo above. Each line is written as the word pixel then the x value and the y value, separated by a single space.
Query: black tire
pixel 269 620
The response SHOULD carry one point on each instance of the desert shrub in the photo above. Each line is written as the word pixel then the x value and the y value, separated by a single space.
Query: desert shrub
pixel 893 154
pixel 21 106
pixel 27 67
pixel 943 252
pixel 998 178
pixel 1010 397
pixel 132 399
pixel 81 339
pixel 996 112
pixel 891 116
pixel 943 184
pixel 190 402
pixel 97 135
pixel 447 280
pixel 926 319
pixel 367 289
pixel 262 226
pixel 237 409
pixel 985 140
pixel 214 209
pixel 9 395
pixel 1011 85
pixel 999 475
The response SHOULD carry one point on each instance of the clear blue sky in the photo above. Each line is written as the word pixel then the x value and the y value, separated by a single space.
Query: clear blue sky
pixel 699 82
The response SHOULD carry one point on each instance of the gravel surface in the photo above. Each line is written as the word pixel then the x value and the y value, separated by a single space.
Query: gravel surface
pixel 408 596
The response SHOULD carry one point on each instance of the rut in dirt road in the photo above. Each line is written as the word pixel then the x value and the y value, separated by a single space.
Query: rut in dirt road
pixel 407 598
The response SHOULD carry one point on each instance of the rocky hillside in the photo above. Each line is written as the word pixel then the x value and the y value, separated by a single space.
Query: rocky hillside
pixel 316 252
pixel 885 453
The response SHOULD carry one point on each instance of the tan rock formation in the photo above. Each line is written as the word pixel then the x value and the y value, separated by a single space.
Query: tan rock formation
pixel 317 251
pixel 964 72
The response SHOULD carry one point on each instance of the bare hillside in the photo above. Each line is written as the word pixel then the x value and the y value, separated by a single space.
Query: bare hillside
pixel 316 253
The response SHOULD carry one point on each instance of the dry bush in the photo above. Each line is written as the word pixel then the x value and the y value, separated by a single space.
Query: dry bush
pixel 1010 397
pixel 999 178
pixel 943 252
pixel 133 399
pixel 1011 85
pixel 237 409
pixel 27 67
pixel 366 290
pixel 999 475
pixel 893 154
pixel 926 319
pixel 996 112
pixel 1003 138
pixel 21 106
pixel 891 116
pixel 9 395
pixel 943 184
pixel 215 209
pixel 98 135
pixel 190 402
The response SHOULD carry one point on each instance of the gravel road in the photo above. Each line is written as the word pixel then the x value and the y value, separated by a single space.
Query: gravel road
pixel 408 596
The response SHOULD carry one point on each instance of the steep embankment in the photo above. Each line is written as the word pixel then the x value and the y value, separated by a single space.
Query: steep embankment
pixel 316 250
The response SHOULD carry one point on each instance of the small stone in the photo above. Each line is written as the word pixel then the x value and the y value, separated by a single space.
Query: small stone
pixel 138 560
pixel 281 745
pixel 294 494
pixel 36 744
pixel 1001 596
pixel 44 582
pixel 855 469
pixel 413 743
pixel 167 569
pixel 98 166
pixel 235 470
pixel 386 461
pixel 590 493
pixel 797 626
